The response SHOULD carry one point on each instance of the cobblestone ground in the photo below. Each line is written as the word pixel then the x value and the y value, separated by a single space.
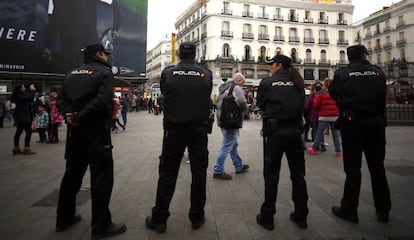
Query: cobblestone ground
pixel 29 186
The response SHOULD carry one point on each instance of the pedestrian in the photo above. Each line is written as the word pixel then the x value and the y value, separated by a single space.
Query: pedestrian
pixel 2 110
pixel 23 116
pixel 185 125
pixel 150 105
pixel 9 113
pixel 360 91
pixel 230 136
pixel 116 113
pixel 281 99
pixel 87 105
pixel 42 123
pixel 328 113
pixel 312 112
pixel 124 109
pixel 56 118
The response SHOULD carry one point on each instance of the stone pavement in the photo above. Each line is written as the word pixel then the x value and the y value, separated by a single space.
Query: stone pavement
pixel 231 205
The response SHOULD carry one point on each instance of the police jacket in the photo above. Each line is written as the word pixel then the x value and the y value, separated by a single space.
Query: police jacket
pixel 24 106
pixel 279 98
pixel 87 91
pixel 361 88
pixel 186 88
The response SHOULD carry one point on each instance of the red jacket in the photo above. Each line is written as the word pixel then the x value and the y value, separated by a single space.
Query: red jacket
pixel 325 105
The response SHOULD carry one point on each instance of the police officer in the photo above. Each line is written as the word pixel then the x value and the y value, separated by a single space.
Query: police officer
pixel 187 89
pixel 360 94
pixel 281 98
pixel 87 104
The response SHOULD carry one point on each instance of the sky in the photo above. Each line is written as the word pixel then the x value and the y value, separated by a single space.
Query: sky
pixel 162 15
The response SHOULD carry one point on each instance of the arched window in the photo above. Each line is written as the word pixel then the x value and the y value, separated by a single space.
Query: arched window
pixel 226 50
pixel 262 57
pixel 308 54
pixel 293 54
pixel 278 51
pixel 342 56
pixel 247 53
pixel 323 54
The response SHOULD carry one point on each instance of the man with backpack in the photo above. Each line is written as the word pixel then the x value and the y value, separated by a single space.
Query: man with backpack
pixel 230 107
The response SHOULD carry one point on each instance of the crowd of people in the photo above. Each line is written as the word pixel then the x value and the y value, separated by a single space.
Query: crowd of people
pixel 92 110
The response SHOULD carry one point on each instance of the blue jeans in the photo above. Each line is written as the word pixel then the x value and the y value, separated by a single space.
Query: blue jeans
pixel 320 136
pixel 229 145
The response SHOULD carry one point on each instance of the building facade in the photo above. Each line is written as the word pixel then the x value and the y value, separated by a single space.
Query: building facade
pixel 239 36
pixel 158 58
pixel 389 37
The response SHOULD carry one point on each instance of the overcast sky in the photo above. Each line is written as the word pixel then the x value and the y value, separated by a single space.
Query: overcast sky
pixel 163 13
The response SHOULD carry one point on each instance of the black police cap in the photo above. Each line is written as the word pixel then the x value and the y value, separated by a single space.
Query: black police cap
pixel 284 60
pixel 94 48
pixel 187 50
pixel 356 52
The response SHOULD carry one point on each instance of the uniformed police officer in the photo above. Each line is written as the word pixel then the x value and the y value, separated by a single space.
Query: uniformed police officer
pixel 281 98
pixel 360 94
pixel 87 104
pixel 186 88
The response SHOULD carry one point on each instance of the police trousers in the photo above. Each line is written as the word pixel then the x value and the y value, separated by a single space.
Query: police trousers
pixel 366 136
pixel 286 139
pixel 88 145
pixel 176 139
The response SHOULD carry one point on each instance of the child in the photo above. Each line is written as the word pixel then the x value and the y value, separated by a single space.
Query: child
pixel 55 118
pixel 41 123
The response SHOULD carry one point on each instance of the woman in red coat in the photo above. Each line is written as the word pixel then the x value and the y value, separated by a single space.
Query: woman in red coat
pixel 328 113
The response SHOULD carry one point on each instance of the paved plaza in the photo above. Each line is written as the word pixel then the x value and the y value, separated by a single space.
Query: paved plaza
pixel 29 186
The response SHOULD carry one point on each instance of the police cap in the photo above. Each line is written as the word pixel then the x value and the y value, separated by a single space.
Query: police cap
pixel 284 60
pixel 356 52
pixel 187 50
pixel 94 48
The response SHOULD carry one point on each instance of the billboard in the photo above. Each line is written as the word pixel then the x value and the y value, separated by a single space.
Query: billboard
pixel 46 36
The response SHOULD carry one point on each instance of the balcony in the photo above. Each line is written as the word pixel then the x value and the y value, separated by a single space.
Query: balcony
pixel 308 20
pixel 309 40
pixel 368 35
pixel 323 41
pixel 377 32
pixel 323 21
pixel 341 22
pixel 249 36
pixel 400 24
pixel 226 11
pixel 226 75
pixel 324 62
pixel 227 34
pixel 342 62
pixel 249 59
pixel 387 29
pixel 278 38
pixel 247 14
pixel 263 15
pixel 278 17
pixel 309 61
pixel 263 75
pixel 369 50
pixel 203 35
pixel 296 60
pixel 387 46
pixel 294 39
pixel 377 49
pixel 263 36
pixel 293 18
pixel 342 42
pixel 196 40
pixel 401 42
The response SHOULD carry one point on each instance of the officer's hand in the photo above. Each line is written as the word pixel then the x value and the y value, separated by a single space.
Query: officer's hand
pixel 70 120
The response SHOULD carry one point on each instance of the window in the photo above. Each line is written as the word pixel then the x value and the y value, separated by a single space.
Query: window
pixel 262 56
pixel 341 17
pixel 247 53
pixel 226 9
pixel 402 35
pixel 323 35
pixel 278 51
pixel 247 28
pixel 323 54
pixel 402 54
pixel 309 36
pixel 293 55
pixel 246 8
pixel 379 60
pixel 293 32
pixel 377 29
pixel 307 15
pixel 388 57
pixel 377 43
pixel 278 12
pixel 225 26
pixel 342 56
pixel 292 15
pixel 308 54
pixel 341 35
pixel 262 29
pixel 226 50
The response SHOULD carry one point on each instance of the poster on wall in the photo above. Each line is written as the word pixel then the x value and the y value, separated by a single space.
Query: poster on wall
pixel 46 36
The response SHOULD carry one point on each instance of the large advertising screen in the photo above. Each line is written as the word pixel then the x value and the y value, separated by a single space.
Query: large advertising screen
pixel 46 36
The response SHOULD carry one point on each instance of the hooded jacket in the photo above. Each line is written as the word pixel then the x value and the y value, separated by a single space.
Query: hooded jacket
pixel 238 94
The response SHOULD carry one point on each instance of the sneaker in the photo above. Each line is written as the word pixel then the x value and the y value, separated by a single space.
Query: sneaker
pixel 62 227
pixel 112 230
pixel 17 150
pixel 197 225
pixel 383 217
pixel 243 169
pixel 187 162
pixel 311 151
pixel 338 212
pixel 27 151
pixel 267 226
pixel 222 176
pixel 338 154
pixel 158 227
pixel 301 223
